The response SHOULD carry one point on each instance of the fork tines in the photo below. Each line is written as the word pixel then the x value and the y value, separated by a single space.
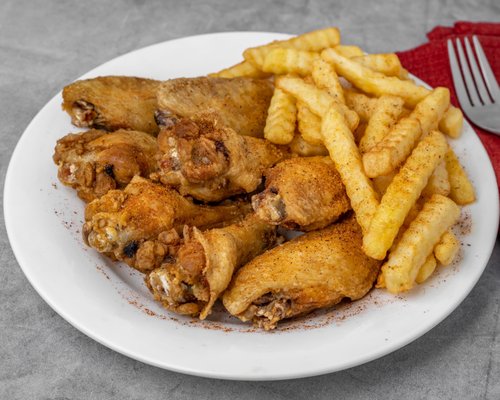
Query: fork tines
pixel 475 84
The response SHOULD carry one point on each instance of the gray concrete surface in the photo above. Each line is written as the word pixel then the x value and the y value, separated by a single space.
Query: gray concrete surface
pixel 46 44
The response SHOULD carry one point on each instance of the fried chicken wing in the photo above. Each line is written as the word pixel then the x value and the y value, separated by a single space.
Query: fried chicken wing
pixel 112 102
pixel 237 103
pixel 203 266
pixel 211 162
pixel 96 161
pixel 315 270
pixel 121 221
pixel 302 194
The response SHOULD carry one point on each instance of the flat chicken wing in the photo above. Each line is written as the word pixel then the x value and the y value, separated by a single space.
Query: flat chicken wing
pixel 96 161
pixel 315 270
pixel 237 103
pixel 302 194
pixel 210 162
pixel 203 266
pixel 121 221
pixel 112 102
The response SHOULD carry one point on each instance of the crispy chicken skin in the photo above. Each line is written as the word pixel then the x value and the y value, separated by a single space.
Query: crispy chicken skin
pixel 302 194
pixel 210 162
pixel 121 221
pixel 112 102
pixel 192 280
pixel 96 161
pixel 315 270
pixel 237 103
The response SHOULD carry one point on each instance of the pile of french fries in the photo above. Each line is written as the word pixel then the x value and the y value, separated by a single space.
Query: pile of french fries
pixel 387 137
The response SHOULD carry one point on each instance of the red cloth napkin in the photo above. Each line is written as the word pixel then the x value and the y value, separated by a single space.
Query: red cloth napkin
pixel 430 63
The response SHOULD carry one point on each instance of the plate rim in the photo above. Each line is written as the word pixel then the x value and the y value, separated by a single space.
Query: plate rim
pixel 18 253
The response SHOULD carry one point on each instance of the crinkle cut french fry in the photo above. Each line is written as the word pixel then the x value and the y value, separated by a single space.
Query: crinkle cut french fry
pixel 281 118
pixel 318 101
pixel 427 268
pixel 452 122
pixel 339 141
pixel 395 147
pixel 387 155
pixel 304 149
pixel 282 61
pixel 438 182
pixel 349 51
pixel 384 116
pixel 374 82
pixel 402 194
pixel 461 189
pixel 418 241
pixel 326 78
pixel 243 69
pixel 387 64
pixel 431 109
pixel 309 124
pixel 311 41
pixel 363 105
pixel 447 248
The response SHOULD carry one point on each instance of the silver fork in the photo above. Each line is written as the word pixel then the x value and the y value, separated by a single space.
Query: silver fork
pixel 478 92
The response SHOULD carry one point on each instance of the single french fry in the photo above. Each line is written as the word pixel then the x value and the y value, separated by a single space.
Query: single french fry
pixel 395 147
pixel 281 118
pixel 400 271
pixel 452 122
pixel 384 116
pixel 339 141
pixel 387 64
pixel 326 78
pixel 461 189
pixel 304 149
pixel 318 101
pixel 363 105
pixel 349 51
pixel 309 124
pixel 432 108
pixel 438 182
pixel 282 61
pixel 374 82
pixel 447 248
pixel 311 41
pixel 243 69
pixel 402 194
pixel 427 268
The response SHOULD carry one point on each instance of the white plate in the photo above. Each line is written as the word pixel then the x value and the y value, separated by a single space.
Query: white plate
pixel 109 302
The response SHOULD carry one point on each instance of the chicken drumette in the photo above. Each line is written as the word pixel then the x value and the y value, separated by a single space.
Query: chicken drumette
pixel 122 221
pixel 302 194
pixel 211 162
pixel 96 161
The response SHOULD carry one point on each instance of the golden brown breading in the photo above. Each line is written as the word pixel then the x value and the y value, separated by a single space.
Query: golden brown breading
pixel 237 103
pixel 112 102
pixel 96 161
pixel 211 162
pixel 315 270
pixel 302 194
pixel 119 222
pixel 203 266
